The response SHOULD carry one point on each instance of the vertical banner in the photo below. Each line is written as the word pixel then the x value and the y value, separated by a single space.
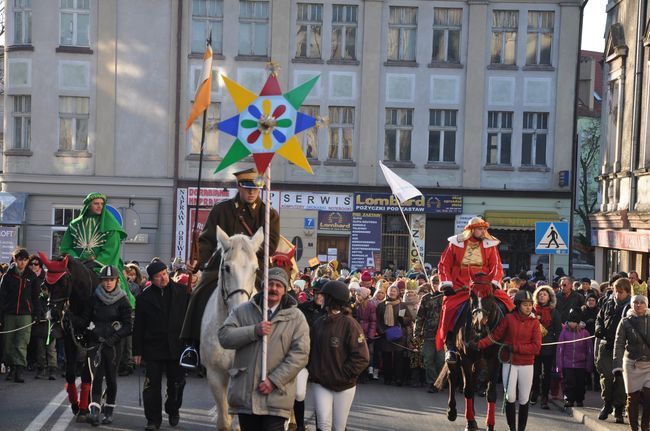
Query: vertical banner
pixel 365 241
pixel 181 224
pixel 418 224
pixel 203 217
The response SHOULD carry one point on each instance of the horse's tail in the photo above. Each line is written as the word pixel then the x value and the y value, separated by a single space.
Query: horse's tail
pixel 442 377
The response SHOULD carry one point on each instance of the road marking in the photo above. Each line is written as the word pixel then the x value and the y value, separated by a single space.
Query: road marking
pixel 45 414
pixel 64 420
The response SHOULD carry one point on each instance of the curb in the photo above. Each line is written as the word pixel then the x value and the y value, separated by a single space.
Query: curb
pixel 582 417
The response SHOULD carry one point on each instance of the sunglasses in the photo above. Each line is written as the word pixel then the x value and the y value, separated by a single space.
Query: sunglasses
pixel 35 264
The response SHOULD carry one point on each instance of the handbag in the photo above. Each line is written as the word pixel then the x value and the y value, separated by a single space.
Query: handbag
pixel 394 333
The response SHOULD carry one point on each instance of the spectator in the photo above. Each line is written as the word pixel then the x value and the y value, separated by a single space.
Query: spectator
pixel 19 303
pixel 110 312
pixel 575 360
pixel 632 360
pixel 609 316
pixel 550 326
pixel 334 371
pixel 45 341
pixel 365 312
pixel 159 314
pixel 589 315
pixel 426 325
pixel 568 299
pixel 585 287
pixel 519 329
pixel 415 360
pixel 392 318
pixel 638 287
pixel 266 405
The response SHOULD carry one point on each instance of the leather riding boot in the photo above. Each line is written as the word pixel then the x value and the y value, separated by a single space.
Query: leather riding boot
pixel 511 415
pixel 523 417
pixel 299 413
pixel 645 417
pixel 619 412
pixel 18 377
pixel 633 409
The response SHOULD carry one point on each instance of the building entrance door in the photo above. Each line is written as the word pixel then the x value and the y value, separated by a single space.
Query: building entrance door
pixel 341 243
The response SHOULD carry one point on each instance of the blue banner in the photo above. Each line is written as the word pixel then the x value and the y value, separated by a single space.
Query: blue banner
pixel 429 204
pixel 365 241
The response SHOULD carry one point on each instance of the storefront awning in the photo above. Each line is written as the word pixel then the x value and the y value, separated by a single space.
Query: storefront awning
pixel 519 220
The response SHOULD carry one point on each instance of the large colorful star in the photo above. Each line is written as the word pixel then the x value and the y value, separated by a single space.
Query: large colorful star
pixel 267 124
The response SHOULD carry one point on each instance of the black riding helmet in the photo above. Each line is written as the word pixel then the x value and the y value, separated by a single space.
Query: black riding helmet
pixel 337 290
pixel 108 272
pixel 523 296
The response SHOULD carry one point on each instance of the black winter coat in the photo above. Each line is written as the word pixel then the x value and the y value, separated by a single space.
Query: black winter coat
pixel 608 319
pixel 159 315
pixel 565 304
pixel 103 317
pixel 19 293
pixel 312 311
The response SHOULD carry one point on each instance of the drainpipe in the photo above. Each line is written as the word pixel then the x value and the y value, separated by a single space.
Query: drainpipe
pixel 636 107
pixel 177 114
pixel 574 147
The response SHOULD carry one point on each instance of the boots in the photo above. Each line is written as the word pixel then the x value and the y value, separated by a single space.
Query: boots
pixel 299 413
pixel 108 415
pixel 544 403
pixel 633 410
pixel 645 418
pixel 52 375
pixel 605 411
pixel 523 417
pixel 10 372
pixel 618 414
pixel 40 373
pixel 18 377
pixel 511 416
pixel 93 416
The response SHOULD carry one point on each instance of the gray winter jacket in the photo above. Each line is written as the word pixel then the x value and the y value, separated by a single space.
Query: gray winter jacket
pixel 629 339
pixel 288 353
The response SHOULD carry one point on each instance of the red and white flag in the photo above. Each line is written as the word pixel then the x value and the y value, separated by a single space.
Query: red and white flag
pixel 203 92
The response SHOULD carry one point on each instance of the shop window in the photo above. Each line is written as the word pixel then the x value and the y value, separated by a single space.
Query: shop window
pixel 612 262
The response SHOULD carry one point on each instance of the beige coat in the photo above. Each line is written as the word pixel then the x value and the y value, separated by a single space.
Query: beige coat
pixel 288 353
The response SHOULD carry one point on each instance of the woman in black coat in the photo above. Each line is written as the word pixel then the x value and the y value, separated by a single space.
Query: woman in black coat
pixel 392 313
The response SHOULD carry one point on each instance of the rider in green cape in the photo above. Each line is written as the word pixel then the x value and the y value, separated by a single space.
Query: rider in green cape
pixel 97 236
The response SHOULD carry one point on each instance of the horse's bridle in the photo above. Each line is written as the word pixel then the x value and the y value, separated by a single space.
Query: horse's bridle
pixel 225 296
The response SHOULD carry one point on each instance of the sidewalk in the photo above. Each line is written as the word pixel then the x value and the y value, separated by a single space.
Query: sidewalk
pixel 588 414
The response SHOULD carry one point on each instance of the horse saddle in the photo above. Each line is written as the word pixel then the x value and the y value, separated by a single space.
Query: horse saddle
pixel 55 268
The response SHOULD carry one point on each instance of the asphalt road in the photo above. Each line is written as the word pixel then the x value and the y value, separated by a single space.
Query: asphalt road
pixel 42 405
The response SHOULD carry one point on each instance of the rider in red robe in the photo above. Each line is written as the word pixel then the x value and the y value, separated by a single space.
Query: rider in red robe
pixel 472 251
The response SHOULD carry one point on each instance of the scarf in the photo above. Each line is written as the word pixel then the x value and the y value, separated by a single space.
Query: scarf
pixel 544 313
pixel 389 318
pixel 109 298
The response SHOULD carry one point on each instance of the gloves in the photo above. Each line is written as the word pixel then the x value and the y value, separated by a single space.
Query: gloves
pixel 447 288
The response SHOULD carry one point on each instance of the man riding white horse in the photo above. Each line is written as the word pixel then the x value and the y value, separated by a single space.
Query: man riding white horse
pixel 243 214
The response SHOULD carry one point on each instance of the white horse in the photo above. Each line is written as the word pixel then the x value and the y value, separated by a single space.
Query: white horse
pixel 236 285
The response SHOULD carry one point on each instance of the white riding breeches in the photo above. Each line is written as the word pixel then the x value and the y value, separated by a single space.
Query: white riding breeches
pixel 518 380
pixel 332 408
pixel 301 384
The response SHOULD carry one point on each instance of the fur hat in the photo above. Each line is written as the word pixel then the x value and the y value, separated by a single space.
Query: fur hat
pixel 552 299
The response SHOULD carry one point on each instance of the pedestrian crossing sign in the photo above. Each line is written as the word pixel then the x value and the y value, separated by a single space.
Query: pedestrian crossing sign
pixel 551 237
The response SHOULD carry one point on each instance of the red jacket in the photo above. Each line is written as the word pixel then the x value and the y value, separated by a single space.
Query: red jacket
pixel 449 268
pixel 522 333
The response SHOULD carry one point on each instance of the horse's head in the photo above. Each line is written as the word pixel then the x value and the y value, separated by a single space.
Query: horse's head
pixel 238 266
pixel 57 282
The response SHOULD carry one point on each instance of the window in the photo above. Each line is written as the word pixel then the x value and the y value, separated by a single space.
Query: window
pixel 22 122
pixel 344 32
pixel 73 123
pixel 22 22
pixel 446 35
pixel 253 27
pixel 61 218
pixel 442 135
pixel 533 139
pixel 504 36
pixel 499 138
pixel 395 241
pixel 540 37
pixel 75 22
pixel 211 144
pixel 309 24
pixel 341 130
pixel 310 136
pixel 402 29
pixel 399 126
pixel 207 16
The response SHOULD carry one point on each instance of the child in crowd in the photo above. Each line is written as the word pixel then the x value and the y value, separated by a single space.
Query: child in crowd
pixel 575 360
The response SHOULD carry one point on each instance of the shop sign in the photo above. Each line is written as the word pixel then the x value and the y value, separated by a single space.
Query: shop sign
pixel 316 201
pixel 429 204
pixel 181 224
pixel 365 241
pixel 209 195
pixel 622 240
pixel 8 242
pixel 418 224
pixel 337 221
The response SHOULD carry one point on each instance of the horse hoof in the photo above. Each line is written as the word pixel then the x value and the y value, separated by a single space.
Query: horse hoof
pixel 471 426
pixel 452 414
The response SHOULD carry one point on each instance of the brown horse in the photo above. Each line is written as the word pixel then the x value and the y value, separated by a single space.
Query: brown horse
pixel 481 315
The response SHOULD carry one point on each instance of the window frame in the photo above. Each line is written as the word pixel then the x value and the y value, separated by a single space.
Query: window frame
pixel 443 128
pixel 538 31
pixel 340 127
pixel 209 21
pixel 446 28
pixel 309 30
pixel 254 22
pixel 24 9
pixel 503 31
pixel 211 130
pixel 61 227
pixel 534 132
pixel 500 131
pixel 399 128
pixel 23 116
pixel 343 27
pixel 75 117
pixel 402 28
pixel 75 11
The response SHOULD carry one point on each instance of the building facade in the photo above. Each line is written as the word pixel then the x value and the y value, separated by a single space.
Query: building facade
pixel 622 223
pixel 462 99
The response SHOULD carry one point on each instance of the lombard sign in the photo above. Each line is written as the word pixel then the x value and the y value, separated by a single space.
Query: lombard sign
pixel 387 203
pixel 316 201
pixel 338 221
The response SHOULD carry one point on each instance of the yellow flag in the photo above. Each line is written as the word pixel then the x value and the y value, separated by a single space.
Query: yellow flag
pixel 203 92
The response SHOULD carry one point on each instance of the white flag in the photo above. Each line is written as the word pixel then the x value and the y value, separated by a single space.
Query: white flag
pixel 402 189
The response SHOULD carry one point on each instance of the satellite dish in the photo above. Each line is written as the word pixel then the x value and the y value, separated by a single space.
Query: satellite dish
pixel 116 214
pixel 131 222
